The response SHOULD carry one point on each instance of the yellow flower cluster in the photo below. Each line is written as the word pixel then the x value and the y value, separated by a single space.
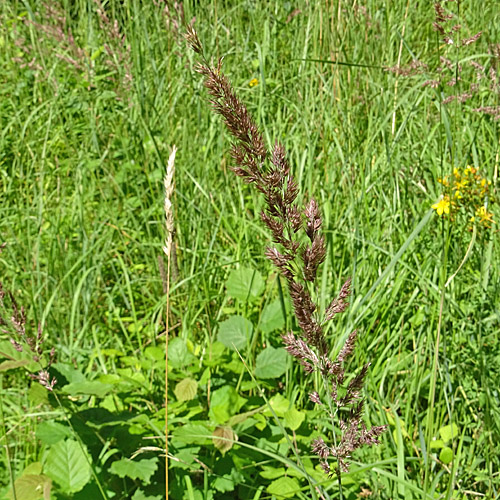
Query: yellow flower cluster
pixel 468 192
pixel 253 83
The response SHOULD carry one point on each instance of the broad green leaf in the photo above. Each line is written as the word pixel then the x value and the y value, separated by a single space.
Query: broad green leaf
pixel 294 418
pixel 88 388
pixel 135 469
pixel 193 433
pixel 245 284
pixel 67 465
pixel 186 389
pixel 235 332
pixel 37 394
pixel 284 487
pixel 12 354
pixel 225 403
pixel 51 432
pixel 271 363
pixel 446 455
pixel 70 373
pixel 448 432
pixel 272 317
pixel 279 404
pixel 224 483
pixel 140 495
pixel 214 355
pixel 437 443
pixel 155 353
pixel 178 353
pixel 31 487
pixel 12 365
pixel 268 472
pixel 186 458
pixel 35 468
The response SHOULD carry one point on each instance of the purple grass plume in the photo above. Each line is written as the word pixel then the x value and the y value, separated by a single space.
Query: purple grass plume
pixel 298 251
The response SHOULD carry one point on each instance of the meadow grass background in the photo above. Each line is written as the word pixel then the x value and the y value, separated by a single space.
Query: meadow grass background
pixel 83 151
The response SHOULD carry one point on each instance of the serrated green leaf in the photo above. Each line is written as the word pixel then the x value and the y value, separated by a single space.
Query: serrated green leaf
pixel 284 487
pixel 235 332
pixel 178 353
pixel 140 495
pixel 294 418
pixel 135 469
pixel 186 389
pixel 67 465
pixel 245 284
pixel 272 317
pixel 271 363
pixel 52 432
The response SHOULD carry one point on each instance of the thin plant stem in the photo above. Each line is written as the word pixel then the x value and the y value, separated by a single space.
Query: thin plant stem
pixel 7 453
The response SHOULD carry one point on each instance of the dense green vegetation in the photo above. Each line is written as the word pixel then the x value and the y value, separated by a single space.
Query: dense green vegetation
pixel 89 111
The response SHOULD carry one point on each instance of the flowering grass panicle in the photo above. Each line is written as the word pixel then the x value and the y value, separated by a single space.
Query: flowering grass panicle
pixel 13 324
pixel 298 252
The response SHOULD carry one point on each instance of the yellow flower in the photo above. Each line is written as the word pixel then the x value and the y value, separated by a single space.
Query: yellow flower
pixel 458 195
pixel 253 83
pixel 442 206
pixel 484 216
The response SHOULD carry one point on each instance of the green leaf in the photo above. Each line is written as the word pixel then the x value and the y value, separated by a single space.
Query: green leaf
pixel 193 433
pixel 140 495
pixel 88 388
pixel 37 394
pixel 12 365
pixel 225 403
pixel 437 443
pixel 141 469
pixel 448 432
pixel 245 284
pixel 31 487
pixel 271 363
pixel 284 487
pixel 186 389
pixel 51 432
pixel 224 483
pixel 294 418
pixel 279 404
pixel 446 455
pixel 272 472
pixel 235 332
pixel 272 317
pixel 155 353
pixel 69 372
pixel 67 465
pixel 178 353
